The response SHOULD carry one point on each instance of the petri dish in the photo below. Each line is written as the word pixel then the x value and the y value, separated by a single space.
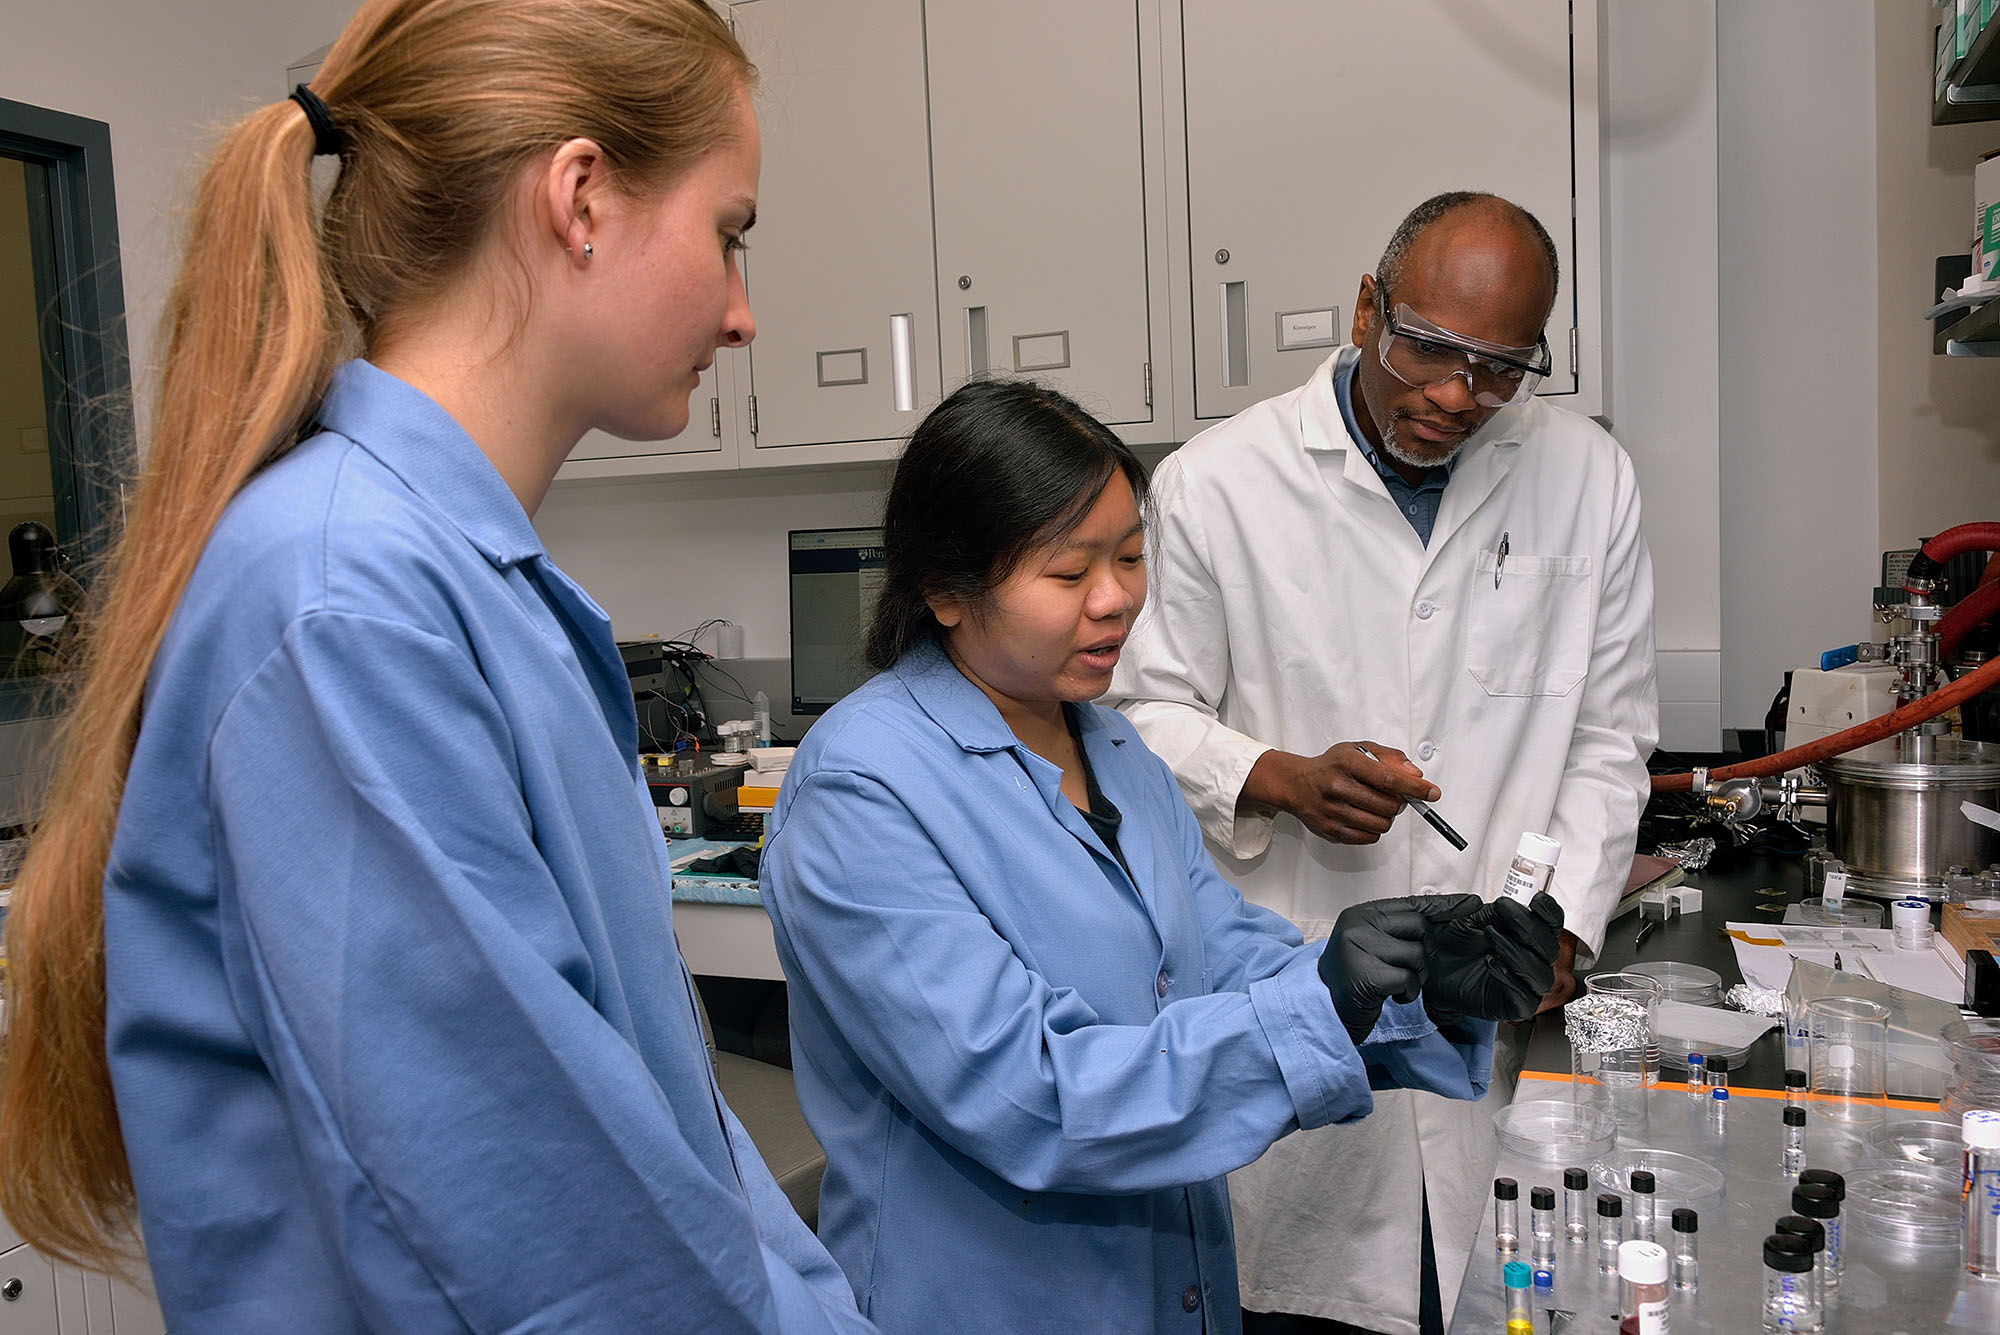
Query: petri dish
pixel 1912 1206
pixel 1683 982
pixel 1921 1142
pixel 1555 1130
pixel 1678 1179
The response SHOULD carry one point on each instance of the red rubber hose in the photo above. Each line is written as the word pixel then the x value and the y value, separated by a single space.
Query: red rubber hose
pixel 1861 734
pixel 1967 615
pixel 1955 542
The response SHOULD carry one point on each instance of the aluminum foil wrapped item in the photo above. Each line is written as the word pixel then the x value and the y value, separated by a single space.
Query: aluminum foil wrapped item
pixel 1693 853
pixel 1755 1000
pixel 1598 1023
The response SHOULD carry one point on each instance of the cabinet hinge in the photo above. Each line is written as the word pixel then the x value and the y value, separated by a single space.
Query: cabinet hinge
pixel 753 414
pixel 1575 360
pixel 1148 367
pixel 715 417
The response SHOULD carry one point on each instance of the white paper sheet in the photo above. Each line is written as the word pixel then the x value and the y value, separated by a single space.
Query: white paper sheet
pixel 1766 957
pixel 1710 1028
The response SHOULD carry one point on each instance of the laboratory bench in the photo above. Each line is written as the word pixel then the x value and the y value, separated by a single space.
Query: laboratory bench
pixel 1729 884
pixel 1887 1287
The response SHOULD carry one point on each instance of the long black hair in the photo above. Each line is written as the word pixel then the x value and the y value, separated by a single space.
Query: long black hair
pixel 999 469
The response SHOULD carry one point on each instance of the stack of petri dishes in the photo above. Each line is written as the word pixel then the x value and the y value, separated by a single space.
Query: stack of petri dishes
pixel 1683 982
pixel 1973 1049
pixel 1678 1179
pixel 1912 1210
pixel 1920 1142
pixel 1555 1130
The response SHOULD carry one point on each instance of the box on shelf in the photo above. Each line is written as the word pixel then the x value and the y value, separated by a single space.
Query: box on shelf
pixel 1986 216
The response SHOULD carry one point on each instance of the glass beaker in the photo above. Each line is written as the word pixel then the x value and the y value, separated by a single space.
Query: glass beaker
pixel 1850 1058
pixel 1614 1045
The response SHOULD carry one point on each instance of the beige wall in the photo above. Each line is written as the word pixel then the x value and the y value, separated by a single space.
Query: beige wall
pixel 25 492
pixel 165 77
pixel 1939 417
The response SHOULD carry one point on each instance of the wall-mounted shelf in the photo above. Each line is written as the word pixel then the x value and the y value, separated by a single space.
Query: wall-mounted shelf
pixel 1974 334
pixel 1973 94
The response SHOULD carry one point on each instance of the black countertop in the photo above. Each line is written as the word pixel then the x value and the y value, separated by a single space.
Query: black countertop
pixel 1729 886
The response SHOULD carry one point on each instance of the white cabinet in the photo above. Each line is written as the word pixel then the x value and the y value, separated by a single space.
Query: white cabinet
pixel 42 1297
pixel 949 187
pixel 1312 128
pixel 1039 123
pixel 841 274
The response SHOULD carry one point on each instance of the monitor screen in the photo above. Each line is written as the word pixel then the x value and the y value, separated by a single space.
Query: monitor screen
pixel 835 573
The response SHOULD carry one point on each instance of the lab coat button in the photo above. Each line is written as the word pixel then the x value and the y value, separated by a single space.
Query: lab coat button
pixel 1424 610
pixel 1191 1297
pixel 1162 983
pixel 1425 751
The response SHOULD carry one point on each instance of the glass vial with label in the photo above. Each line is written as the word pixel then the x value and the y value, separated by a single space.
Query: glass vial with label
pixel 1789 1305
pixel 1520 1308
pixel 1642 1272
pixel 1818 1200
pixel 1534 863
pixel 1814 1233
pixel 1979 1129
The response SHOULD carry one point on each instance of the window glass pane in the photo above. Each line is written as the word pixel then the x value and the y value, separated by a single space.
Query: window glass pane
pixel 30 357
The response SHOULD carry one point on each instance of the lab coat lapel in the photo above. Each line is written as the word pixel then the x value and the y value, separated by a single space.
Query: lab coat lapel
pixel 589 632
pixel 1481 469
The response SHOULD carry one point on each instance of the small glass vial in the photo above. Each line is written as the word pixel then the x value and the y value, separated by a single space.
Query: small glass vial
pixel 1542 1227
pixel 1610 1232
pixel 1576 1207
pixel 1979 1130
pixel 1687 1263
pixel 1795 1088
pixel 1816 1200
pixel 1642 1270
pixel 1645 1222
pixel 1718 1072
pixel 1789 1304
pixel 1697 1076
pixel 1795 1141
pixel 1718 1108
pixel 1534 862
pixel 1520 1308
pixel 1910 923
pixel 1506 1216
pixel 1798 1226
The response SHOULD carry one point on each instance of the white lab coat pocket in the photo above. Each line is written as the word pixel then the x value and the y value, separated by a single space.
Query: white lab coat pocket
pixel 1528 632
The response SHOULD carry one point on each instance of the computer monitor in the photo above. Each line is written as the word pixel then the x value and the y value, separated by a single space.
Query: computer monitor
pixel 835 575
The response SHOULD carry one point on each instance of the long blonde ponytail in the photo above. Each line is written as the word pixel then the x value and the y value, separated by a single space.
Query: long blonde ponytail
pixel 442 103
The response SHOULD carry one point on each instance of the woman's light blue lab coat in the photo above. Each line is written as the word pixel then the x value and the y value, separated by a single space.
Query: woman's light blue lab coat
pixel 1030 1070
pixel 399 1034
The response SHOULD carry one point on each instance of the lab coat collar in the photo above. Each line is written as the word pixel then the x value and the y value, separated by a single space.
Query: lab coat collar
pixel 1323 431
pixel 422 444
pixel 967 716
pixel 1487 457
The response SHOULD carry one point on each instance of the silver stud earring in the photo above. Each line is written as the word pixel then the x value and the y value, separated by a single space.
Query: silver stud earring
pixel 587 252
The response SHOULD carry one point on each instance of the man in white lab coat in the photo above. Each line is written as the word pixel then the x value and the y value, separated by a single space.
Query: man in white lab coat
pixel 1413 553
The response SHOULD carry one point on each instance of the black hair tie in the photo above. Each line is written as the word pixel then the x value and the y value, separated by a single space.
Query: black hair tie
pixel 327 139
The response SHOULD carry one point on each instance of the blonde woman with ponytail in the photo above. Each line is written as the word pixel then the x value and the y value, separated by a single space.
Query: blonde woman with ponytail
pixel 342 967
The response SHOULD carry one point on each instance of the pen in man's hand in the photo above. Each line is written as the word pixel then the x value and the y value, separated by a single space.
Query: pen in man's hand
pixel 1431 818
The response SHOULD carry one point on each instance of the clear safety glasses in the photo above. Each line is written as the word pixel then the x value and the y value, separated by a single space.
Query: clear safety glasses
pixel 1423 356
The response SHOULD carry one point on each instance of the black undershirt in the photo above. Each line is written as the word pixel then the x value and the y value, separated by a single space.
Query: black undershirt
pixel 1100 814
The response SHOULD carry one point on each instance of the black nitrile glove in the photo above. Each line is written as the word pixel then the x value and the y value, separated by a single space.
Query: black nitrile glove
pixel 1377 951
pixel 1493 964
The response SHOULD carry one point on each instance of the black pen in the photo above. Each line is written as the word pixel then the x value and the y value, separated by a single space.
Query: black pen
pixel 1431 818
pixel 1645 930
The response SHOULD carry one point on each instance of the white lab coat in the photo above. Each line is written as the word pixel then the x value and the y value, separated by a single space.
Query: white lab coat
pixel 1293 606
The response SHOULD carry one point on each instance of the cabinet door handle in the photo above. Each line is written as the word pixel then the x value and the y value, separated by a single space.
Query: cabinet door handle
pixel 975 341
pixel 1235 336
pixel 902 370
